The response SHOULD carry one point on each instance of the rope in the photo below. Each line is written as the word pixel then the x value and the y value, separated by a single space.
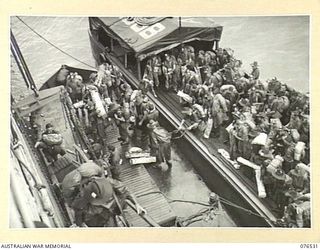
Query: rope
pixel 199 216
pixel 182 133
pixel 223 200
pixel 53 45
pixel 229 203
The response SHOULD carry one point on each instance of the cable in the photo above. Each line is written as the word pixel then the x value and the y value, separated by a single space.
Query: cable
pixel 191 202
pixel 53 45
pixel 199 216
pixel 229 203
pixel 222 200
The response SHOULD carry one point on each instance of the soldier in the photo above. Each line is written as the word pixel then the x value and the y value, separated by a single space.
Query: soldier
pixel 122 126
pixel 183 55
pixel 200 61
pixel 255 73
pixel 161 142
pixel 242 135
pixel 147 81
pixel 194 116
pixel 176 75
pixel 188 77
pixel 156 69
pixel 152 113
pixel 126 92
pixel 100 200
pixel 74 85
pixel 142 116
pixel 219 111
pixel 168 68
pixel 50 143
pixel 117 78
pixel 300 179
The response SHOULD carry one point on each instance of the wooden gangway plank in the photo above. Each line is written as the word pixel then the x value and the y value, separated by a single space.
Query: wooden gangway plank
pixel 138 180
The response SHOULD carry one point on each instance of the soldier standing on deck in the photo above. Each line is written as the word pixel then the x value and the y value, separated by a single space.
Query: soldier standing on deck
pixel 147 81
pixel 156 69
pixel 141 108
pixel 160 142
pixel 255 71
pixel 168 68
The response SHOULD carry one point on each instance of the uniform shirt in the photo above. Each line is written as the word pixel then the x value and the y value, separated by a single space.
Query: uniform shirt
pixel 299 179
pixel 255 74
pixel 156 64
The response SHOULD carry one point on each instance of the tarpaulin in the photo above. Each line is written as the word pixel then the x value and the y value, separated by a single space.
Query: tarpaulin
pixel 148 36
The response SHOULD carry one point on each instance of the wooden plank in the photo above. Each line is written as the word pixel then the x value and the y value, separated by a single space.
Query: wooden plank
pixel 131 172
pixel 134 219
pixel 138 191
pixel 136 178
pixel 146 217
pixel 146 199
pixel 156 203
pixel 139 181
pixel 151 201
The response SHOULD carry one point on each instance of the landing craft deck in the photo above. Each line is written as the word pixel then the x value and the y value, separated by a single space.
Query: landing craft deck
pixel 217 174
pixel 136 178
pixel 139 182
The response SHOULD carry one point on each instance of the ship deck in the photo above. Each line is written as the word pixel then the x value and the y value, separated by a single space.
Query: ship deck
pixel 136 178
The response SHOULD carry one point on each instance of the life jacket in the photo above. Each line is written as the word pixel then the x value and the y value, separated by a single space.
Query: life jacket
pixel 52 138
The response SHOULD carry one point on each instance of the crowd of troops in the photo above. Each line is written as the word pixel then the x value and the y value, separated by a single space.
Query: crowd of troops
pixel 135 116
pixel 101 103
pixel 266 123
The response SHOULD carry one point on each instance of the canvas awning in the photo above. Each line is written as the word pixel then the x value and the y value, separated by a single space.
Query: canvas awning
pixel 149 36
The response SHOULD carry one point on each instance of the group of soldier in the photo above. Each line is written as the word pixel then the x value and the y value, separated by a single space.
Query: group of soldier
pixel 264 122
pixel 135 116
